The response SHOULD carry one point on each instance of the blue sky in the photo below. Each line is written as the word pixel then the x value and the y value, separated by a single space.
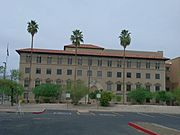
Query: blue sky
pixel 154 24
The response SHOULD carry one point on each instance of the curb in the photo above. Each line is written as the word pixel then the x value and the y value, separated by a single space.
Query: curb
pixel 149 132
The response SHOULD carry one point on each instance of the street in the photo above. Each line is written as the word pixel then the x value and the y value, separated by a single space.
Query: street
pixel 59 122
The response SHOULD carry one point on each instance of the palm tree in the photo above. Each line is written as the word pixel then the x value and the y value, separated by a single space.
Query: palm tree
pixel 125 40
pixel 32 28
pixel 76 39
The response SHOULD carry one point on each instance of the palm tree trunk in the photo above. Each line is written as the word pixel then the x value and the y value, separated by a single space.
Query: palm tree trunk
pixel 30 78
pixel 124 76
pixel 75 66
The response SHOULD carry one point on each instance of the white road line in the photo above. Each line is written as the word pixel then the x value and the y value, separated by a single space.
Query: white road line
pixel 63 113
pixel 169 115
pixel 106 114
pixel 92 113
pixel 118 114
pixel 145 114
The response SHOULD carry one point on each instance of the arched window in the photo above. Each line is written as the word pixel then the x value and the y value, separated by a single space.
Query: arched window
pixel 37 82
pixel 48 80
pixel 59 81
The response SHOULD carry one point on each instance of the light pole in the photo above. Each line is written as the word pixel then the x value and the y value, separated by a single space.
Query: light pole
pixel 4 73
pixel 4 77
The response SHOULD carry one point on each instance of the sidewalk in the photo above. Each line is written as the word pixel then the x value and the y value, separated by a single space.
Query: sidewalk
pixel 93 107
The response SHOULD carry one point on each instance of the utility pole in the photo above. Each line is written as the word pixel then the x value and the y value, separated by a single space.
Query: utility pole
pixel 88 82
pixel 4 77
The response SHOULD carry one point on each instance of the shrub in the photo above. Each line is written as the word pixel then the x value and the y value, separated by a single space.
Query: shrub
pixel 77 90
pixel 139 95
pixel 105 98
pixel 47 92
pixel 176 94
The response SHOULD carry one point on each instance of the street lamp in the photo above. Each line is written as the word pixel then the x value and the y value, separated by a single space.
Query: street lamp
pixel 4 74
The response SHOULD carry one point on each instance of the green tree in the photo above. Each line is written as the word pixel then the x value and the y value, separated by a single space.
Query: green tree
pixel 106 97
pixel 139 95
pixel 176 94
pixel 93 94
pixel 76 39
pixel 81 90
pixel 10 88
pixel 15 74
pixel 47 92
pixel 32 28
pixel 125 40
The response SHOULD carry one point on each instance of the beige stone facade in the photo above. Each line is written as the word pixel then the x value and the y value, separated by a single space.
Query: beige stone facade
pixel 100 68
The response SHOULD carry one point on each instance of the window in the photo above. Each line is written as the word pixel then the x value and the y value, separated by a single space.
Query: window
pixel 48 81
pixel 167 89
pixel 109 63
pixel 26 83
pixel 89 73
pixel 138 64
pixel 49 60
pixel 89 62
pixel 109 74
pixel 99 73
pixel 28 58
pixel 119 63
pixel 148 65
pixel 128 64
pixel 157 76
pixel 118 87
pixel 38 70
pixel 37 82
pixel 148 75
pixel 128 87
pixel 58 81
pixel 59 60
pixel 167 68
pixel 167 78
pixel 27 70
pixel 59 71
pixel 138 75
pixel 69 72
pixel 118 74
pixel 69 60
pixel 157 88
pixel 79 72
pixel 109 86
pixel 157 65
pixel 128 75
pixel 128 99
pixel 138 85
pixel 148 87
pixel 80 61
pixel 99 62
pixel 38 59
pixel 48 71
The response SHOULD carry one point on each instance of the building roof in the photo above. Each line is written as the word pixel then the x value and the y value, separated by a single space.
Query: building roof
pixel 86 46
pixel 102 53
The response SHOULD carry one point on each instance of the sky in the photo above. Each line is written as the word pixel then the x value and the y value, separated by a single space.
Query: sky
pixel 154 24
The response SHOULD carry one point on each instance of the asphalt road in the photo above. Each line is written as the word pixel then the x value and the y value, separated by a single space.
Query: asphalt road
pixel 79 123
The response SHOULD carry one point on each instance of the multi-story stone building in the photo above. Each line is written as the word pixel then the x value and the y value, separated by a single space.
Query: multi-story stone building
pixel 173 74
pixel 100 68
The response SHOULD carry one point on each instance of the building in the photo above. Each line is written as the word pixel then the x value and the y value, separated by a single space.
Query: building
pixel 173 74
pixel 100 68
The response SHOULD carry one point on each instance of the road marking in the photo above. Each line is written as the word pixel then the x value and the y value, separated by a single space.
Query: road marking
pixel 169 115
pixel 145 114
pixel 62 113
pixel 106 114
pixel 92 113
pixel 118 114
